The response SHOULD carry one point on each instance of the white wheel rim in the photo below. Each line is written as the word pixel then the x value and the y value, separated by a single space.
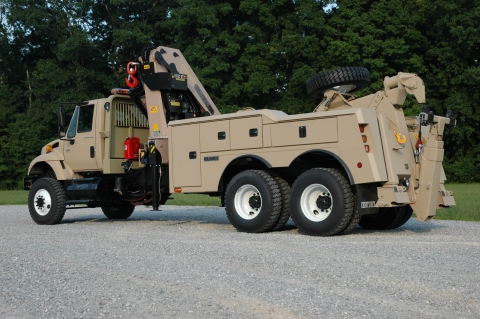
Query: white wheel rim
pixel 42 202
pixel 309 205
pixel 244 197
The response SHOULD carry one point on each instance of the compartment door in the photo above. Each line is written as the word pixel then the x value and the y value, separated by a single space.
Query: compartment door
pixel 186 155
pixel 215 136
pixel 246 133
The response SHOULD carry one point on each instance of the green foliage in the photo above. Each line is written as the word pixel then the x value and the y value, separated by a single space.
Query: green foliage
pixel 246 53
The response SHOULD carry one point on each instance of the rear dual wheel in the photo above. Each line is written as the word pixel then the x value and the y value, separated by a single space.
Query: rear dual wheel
pixel 253 201
pixel 322 202
pixel 387 218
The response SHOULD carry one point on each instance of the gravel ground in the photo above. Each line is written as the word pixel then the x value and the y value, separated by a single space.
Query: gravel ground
pixel 189 262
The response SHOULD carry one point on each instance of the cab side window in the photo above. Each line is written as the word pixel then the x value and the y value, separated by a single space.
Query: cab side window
pixel 85 119
pixel 72 129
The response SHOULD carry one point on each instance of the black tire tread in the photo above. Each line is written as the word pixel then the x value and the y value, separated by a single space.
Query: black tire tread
pixel 384 219
pixel 355 217
pixel 321 82
pixel 284 188
pixel 349 203
pixel 276 200
pixel 118 212
pixel 408 214
pixel 59 198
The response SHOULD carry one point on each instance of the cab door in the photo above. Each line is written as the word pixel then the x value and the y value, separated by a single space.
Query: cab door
pixel 80 149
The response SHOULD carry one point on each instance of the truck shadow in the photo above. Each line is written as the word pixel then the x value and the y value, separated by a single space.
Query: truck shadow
pixel 179 217
pixel 171 217
pixel 412 225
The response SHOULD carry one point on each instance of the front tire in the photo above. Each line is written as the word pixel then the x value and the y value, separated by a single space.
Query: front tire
pixel 118 212
pixel 46 201
pixel 322 202
pixel 253 201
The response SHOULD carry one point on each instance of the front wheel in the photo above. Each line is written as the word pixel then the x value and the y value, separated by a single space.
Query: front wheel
pixel 322 202
pixel 46 201
pixel 118 212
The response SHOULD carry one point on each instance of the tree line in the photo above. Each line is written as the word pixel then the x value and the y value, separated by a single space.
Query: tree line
pixel 247 54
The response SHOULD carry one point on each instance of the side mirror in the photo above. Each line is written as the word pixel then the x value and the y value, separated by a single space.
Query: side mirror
pixel 61 116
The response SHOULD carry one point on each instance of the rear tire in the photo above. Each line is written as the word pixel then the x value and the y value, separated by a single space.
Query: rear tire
pixel 118 212
pixel 46 201
pixel 321 202
pixel 284 188
pixel 352 224
pixel 408 214
pixel 387 218
pixel 253 201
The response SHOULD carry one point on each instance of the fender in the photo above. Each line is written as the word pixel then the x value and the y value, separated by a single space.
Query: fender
pixel 335 156
pixel 55 160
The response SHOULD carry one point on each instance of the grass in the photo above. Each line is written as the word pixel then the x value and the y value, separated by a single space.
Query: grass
pixel 466 197
pixel 13 197
pixel 467 200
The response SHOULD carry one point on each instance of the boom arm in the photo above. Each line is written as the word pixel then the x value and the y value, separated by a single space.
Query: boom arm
pixel 172 90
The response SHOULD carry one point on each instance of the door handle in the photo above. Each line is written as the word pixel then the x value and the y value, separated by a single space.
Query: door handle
pixel 92 151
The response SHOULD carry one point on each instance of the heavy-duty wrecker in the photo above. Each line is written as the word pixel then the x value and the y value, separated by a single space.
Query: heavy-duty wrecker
pixel 351 161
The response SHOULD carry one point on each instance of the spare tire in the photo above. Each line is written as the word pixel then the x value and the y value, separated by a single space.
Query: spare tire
pixel 346 79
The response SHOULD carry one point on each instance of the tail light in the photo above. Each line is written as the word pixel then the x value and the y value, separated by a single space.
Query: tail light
pixel 367 148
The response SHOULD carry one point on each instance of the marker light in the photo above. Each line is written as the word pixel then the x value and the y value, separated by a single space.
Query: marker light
pixel 177 190
pixel 359 165
pixel 120 91
pixel 48 148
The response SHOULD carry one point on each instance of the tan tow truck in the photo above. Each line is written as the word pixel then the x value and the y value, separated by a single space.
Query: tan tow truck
pixel 351 161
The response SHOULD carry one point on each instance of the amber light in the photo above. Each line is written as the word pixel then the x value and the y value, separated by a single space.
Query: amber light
pixel 364 138
pixel 177 190
pixel 120 91
pixel 49 148
pixel 367 148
